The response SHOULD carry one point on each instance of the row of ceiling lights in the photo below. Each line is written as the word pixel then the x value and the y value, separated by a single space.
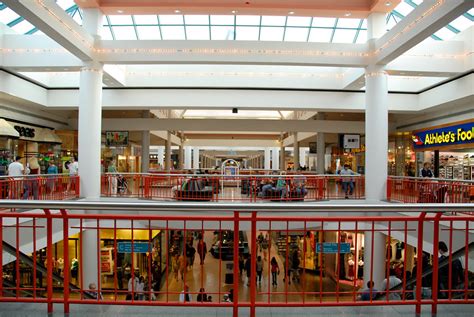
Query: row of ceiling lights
pixel 348 14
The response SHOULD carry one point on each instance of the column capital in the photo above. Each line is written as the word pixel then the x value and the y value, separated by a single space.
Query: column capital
pixel 92 67
pixel 375 71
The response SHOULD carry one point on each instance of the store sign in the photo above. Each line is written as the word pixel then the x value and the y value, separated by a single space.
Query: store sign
pixel 25 132
pixel 351 141
pixel 445 136
pixel 138 247
pixel 106 261
pixel 333 247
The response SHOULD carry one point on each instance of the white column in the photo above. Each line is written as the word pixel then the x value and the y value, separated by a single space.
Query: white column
pixel 376 133
pixel 320 148
pixel 181 156
pixel 168 153
pixel 282 157
pixel 302 157
pixel 145 146
pixel 376 25
pixel 161 156
pixel 187 157
pixel 296 151
pixel 275 159
pixel 374 255
pixel 89 143
pixel 267 159
pixel 195 158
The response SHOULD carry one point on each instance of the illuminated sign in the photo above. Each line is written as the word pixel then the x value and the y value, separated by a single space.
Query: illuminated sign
pixel 445 136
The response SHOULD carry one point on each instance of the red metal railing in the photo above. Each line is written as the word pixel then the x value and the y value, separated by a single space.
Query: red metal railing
pixel 214 187
pixel 426 190
pixel 40 187
pixel 319 257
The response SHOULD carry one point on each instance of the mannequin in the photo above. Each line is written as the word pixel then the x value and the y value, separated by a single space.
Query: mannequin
pixel 350 272
pixel 74 268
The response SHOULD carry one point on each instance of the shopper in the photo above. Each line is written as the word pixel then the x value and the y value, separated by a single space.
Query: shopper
pixel 275 270
pixel 457 276
pixel 390 283
pixel 259 269
pixel 52 170
pixel 426 170
pixel 368 293
pixel 140 291
pixel 132 288
pixel 184 296
pixel 265 243
pixel 202 250
pixel 295 265
pixel 112 177
pixel 175 266
pixel 248 268
pixel 93 292
pixel 73 168
pixel 16 170
pixel 190 253
pixel 202 296
pixel 241 264
pixel 346 181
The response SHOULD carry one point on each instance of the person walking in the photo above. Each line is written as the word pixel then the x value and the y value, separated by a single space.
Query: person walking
pixel 112 177
pixel 73 168
pixel 184 296
pixel 16 170
pixel 426 170
pixel 275 270
pixel 202 250
pixel 346 181
pixel 259 269
pixel 52 170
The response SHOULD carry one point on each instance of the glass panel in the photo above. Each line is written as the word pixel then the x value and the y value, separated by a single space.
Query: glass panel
pixel 105 33
pixel 121 19
pixel 248 20
pixel 344 36
pixel 445 34
pixel 196 19
pixel 23 27
pixel 145 19
pixel 148 33
pixel 247 33
pixel 364 24
pixel 271 34
pixel 65 4
pixel 7 15
pixel 320 35
pixel 172 32
pixel 77 17
pixel 348 23
pixel 462 23
pixel 404 8
pixel 362 37
pixel 197 32
pixel 298 21
pixel 391 22
pixel 273 20
pixel 222 19
pixel 124 33
pixel 171 19
pixel 296 34
pixel 324 22
pixel 222 32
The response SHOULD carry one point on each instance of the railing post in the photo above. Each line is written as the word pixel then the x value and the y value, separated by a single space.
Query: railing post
pixel 49 259
pixel 235 312
pixel 66 259
pixel 434 287
pixel 419 268
pixel 253 264
pixel 389 189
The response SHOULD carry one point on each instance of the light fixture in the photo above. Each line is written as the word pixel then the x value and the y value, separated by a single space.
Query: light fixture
pixel 234 11
pixel 235 110
pixel 177 11
pixel 291 12
pixel 388 3
pixel 348 14
pixel 119 11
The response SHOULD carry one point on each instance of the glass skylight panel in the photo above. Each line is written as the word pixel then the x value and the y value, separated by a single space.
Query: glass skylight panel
pixel 149 32
pixel 197 32
pixel 222 19
pixel 364 24
pixel 296 34
pixel 23 27
pixel 77 17
pixel 171 19
pixel 106 34
pixel 196 19
pixel 146 19
pixel 120 19
pixel 344 36
pixel 462 23
pixel 273 20
pixel 299 21
pixel 324 22
pixel 362 37
pixel 445 34
pixel 222 32
pixel 348 23
pixel 7 15
pixel 248 20
pixel 172 32
pixel 271 33
pixel 404 8
pixel 246 33
pixel 320 35
pixel 65 4
pixel 124 32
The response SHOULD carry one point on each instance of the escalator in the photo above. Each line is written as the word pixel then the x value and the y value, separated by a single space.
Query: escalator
pixel 40 268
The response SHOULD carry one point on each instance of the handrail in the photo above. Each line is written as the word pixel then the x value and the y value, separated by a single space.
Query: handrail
pixel 431 179
pixel 36 176
pixel 207 206
pixel 234 176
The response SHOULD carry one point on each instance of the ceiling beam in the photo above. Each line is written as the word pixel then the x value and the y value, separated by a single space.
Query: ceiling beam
pixel 327 126
pixel 161 134
pixel 53 21
pixel 422 22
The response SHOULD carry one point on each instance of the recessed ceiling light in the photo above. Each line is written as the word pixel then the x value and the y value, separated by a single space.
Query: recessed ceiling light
pixel 234 11
pixel 348 14
pixel 291 12
pixel 388 3
pixel 119 11
pixel 177 11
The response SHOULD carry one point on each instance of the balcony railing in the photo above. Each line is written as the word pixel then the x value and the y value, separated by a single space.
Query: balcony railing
pixel 318 249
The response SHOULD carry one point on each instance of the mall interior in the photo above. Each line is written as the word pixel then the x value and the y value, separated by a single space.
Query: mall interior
pixel 184 154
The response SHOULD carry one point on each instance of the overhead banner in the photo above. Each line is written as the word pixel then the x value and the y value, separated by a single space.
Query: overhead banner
pixel 458 134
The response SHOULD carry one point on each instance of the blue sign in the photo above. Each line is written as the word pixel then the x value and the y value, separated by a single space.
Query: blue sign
pixel 138 247
pixel 333 247
pixel 452 135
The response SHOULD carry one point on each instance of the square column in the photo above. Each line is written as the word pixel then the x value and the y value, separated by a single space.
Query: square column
pixel 296 152
pixel 195 158
pixel 275 159
pixel 267 159
pixel 187 157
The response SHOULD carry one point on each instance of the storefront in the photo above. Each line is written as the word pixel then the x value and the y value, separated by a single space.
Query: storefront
pixel 8 138
pixel 448 148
